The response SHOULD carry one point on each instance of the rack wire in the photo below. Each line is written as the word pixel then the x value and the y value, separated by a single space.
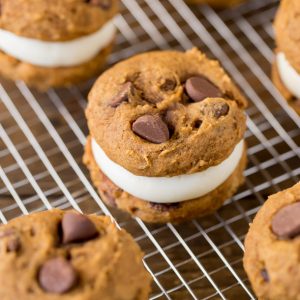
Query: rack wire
pixel 42 137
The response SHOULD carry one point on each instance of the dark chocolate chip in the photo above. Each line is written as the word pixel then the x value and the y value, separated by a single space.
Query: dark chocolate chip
pixel 163 207
pixel 104 4
pixel 265 275
pixel 168 85
pixel 221 110
pixel 197 124
pixel 151 128
pixel 286 222
pixel 57 276
pixel 122 95
pixel 199 88
pixel 13 244
pixel 77 228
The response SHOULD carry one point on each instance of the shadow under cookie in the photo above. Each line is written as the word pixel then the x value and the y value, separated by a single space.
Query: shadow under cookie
pixel 162 213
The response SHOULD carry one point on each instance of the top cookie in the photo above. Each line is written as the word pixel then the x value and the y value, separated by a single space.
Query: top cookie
pixel 272 247
pixel 56 255
pixel 287 31
pixel 166 113
pixel 55 20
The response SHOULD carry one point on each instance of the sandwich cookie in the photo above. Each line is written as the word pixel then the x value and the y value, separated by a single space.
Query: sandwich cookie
pixel 166 136
pixel 55 43
pixel 286 66
pixel 57 255
pixel 272 247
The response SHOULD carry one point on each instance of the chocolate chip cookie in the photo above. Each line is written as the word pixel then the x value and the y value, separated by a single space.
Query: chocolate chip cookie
pixel 166 136
pixel 286 66
pixel 65 255
pixel 217 3
pixel 55 43
pixel 272 247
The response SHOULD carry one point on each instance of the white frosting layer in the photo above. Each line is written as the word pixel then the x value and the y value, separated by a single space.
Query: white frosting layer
pixel 289 76
pixel 57 54
pixel 168 189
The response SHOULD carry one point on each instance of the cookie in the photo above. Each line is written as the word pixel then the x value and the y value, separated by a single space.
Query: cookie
pixel 286 66
pixel 65 255
pixel 272 247
pixel 217 3
pixel 56 43
pixel 166 136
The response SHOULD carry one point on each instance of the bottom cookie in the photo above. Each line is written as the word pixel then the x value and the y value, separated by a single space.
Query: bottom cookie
pixel 162 213
pixel 44 78
pixel 55 255
pixel 292 101
pixel 272 247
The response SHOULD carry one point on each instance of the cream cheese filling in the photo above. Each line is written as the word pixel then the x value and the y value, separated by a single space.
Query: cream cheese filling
pixel 289 76
pixel 168 189
pixel 57 54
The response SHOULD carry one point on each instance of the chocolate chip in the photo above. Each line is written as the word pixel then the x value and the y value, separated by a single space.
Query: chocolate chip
pixel 286 222
pixel 221 110
pixel 151 128
pixel 122 95
pixel 77 228
pixel 104 4
pixel 13 244
pixel 197 124
pixel 265 275
pixel 57 276
pixel 168 85
pixel 163 207
pixel 199 88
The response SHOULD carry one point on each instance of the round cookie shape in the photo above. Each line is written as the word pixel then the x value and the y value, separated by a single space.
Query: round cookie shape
pixel 155 85
pixel 217 3
pixel 272 247
pixel 56 20
pixel 287 32
pixel 66 255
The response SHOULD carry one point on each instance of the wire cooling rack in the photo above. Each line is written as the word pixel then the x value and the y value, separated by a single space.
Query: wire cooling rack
pixel 42 137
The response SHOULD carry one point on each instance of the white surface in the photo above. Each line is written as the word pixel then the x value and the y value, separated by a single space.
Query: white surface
pixel 168 189
pixel 289 76
pixel 57 54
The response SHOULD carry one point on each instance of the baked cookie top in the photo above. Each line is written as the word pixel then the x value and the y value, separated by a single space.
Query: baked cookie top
pixel 56 255
pixel 166 113
pixel 55 20
pixel 287 31
pixel 272 247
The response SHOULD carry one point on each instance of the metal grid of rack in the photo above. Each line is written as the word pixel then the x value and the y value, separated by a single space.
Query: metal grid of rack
pixel 42 137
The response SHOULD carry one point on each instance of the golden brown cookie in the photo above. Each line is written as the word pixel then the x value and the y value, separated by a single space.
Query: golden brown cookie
pixel 217 3
pixel 65 255
pixel 272 247
pixel 44 32
pixel 161 121
pixel 287 36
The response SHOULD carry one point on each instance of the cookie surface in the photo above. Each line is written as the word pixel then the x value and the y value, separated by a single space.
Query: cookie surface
pixel 272 247
pixel 64 255
pixel 201 133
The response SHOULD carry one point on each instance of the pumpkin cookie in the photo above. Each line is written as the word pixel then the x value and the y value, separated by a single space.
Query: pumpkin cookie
pixel 166 136
pixel 55 43
pixel 272 247
pixel 55 255
pixel 286 66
